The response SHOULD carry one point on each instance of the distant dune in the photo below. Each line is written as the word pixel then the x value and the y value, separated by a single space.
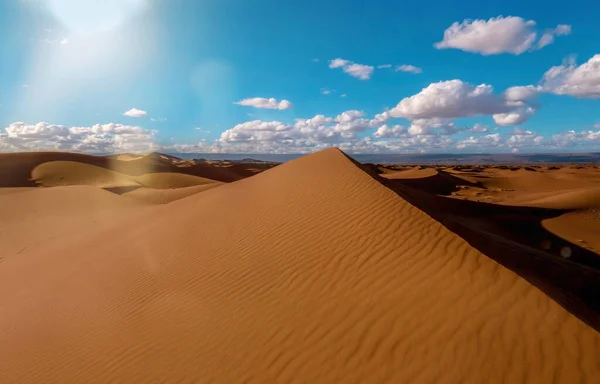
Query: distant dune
pixel 319 270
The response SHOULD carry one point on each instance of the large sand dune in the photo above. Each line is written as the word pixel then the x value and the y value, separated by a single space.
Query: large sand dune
pixel 311 272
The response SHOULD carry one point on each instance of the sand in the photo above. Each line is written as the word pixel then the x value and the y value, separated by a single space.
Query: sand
pixel 314 271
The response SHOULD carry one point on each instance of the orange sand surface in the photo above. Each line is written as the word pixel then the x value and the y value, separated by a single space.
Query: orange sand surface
pixel 315 271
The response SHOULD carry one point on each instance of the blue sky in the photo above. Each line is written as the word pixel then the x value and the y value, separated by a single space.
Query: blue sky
pixel 197 76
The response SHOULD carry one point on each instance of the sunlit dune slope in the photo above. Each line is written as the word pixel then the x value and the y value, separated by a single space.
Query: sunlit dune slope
pixel 73 173
pixel 311 272
pixel 32 217
pixel 164 196
pixel 579 227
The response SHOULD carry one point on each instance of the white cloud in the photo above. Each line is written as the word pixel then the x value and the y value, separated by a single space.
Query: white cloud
pixel 315 60
pixel 515 117
pixel 159 119
pixel 338 63
pixel 486 141
pixel 360 71
pixel 522 138
pixel 433 126
pixel 450 99
pixel 325 91
pixel 261 102
pixel 409 68
pixel 383 66
pixel 64 41
pixel 317 129
pixel 520 93
pixel 497 35
pixel 455 99
pixel 99 138
pixel 134 112
pixel 343 95
pixel 562 30
pixel 479 128
pixel 395 131
pixel 548 36
pixel 567 79
pixel 573 138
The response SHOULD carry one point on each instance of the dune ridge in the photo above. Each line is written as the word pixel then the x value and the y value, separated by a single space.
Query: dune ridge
pixel 313 271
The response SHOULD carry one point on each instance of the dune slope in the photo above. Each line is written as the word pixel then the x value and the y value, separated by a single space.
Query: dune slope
pixel 312 272
pixel 60 173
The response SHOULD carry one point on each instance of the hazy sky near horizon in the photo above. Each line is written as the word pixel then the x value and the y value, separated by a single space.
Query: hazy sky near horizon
pixel 266 76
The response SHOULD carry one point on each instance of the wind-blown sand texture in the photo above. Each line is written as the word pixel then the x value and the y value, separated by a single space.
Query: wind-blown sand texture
pixel 315 271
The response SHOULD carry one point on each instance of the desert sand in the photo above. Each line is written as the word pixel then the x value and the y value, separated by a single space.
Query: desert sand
pixel 153 269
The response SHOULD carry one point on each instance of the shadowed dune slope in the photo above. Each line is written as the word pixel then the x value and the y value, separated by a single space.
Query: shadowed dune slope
pixel 312 272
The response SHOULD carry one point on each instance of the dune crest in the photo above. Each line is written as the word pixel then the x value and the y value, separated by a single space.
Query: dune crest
pixel 312 271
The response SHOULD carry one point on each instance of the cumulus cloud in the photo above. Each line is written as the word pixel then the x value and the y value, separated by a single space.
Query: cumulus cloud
pixel 486 141
pixel 520 93
pixel 261 102
pixel 515 117
pixel 98 138
pixel 134 112
pixel 360 71
pixel 383 66
pixel 320 128
pixel 409 68
pixel 497 35
pixel 434 126
pixel 574 139
pixel 325 91
pixel 523 138
pixel 568 79
pixel 455 98
pixel 395 131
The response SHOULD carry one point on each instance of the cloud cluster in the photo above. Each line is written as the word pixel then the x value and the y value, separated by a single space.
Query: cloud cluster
pixel 317 129
pixel 455 98
pixel 360 71
pixel 348 131
pixel 568 79
pixel 99 138
pixel 497 35
pixel 264 103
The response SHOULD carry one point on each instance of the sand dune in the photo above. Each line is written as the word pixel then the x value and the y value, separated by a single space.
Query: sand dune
pixel 311 272
pixel 16 169
pixel 579 227
pixel 164 196
pixel 32 217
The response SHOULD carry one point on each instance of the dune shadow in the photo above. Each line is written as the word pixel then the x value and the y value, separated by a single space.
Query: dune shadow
pixel 441 183
pixel 515 238
pixel 122 189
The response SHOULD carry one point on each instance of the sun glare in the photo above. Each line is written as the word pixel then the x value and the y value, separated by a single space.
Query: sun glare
pixel 93 16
